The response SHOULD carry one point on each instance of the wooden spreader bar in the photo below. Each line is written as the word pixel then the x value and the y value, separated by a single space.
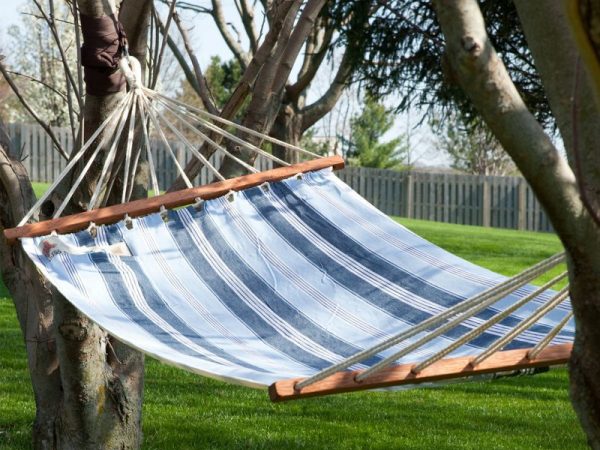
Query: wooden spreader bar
pixel 136 208
pixel 401 374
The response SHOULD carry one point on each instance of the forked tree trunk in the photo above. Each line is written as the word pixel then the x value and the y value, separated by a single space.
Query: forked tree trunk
pixel 481 74
pixel 88 386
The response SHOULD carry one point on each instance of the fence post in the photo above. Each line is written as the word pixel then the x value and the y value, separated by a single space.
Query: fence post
pixel 522 205
pixel 408 196
pixel 486 207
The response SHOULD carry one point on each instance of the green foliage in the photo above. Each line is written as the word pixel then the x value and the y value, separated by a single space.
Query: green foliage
pixel 402 54
pixel 310 142
pixel 471 146
pixel 367 129
pixel 187 411
pixel 222 78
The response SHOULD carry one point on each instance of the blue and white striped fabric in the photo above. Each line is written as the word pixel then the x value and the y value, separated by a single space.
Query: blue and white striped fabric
pixel 278 283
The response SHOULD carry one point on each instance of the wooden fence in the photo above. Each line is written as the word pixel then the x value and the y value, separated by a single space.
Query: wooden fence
pixel 502 202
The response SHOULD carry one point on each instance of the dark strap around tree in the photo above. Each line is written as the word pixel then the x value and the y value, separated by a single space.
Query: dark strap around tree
pixel 104 41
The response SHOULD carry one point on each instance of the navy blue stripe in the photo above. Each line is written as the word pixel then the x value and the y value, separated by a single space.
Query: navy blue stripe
pixel 256 284
pixel 322 226
pixel 347 278
pixel 124 302
pixel 121 298
pixel 262 328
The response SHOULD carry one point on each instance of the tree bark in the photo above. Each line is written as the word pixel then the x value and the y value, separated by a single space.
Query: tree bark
pixel 33 299
pixel 287 128
pixel 483 77
pixel 88 386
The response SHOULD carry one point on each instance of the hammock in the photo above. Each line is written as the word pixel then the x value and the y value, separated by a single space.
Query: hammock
pixel 285 278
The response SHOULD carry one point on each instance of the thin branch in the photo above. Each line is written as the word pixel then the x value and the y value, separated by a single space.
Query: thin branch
pixel 57 40
pixel 72 121
pixel 312 61
pixel 315 111
pixel 234 46
pixel 29 109
pixel 163 45
pixel 35 80
pixel 189 74
pixel 247 15
pixel 203 86
pixel 286 13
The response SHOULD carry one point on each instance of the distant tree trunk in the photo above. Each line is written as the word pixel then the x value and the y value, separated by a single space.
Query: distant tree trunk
pixel 88 386
pixel 287 128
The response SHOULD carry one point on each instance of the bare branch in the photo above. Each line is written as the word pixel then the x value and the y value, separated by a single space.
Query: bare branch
pixel 315 111
pixel 189 74
pixel 232 43
pixel 158 62
pixel 58 41
pixel 37 118
pixel 285 14
pixel 302 29
pixel 204 91
pixel 35 80
pixel 247 15
pixel 316 49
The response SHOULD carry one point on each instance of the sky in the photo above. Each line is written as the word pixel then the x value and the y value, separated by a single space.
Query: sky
pixel 208 42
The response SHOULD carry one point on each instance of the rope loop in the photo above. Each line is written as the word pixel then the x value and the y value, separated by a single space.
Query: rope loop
pixel 132 70
pixel 164 213
pixel 93 230
pixel 128 222
pixel 198 204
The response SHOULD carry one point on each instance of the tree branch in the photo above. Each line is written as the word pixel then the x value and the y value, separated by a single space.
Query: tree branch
pixel 163 45
pixel 483 77
pixel 315 111
pixel 33 114
pixel 187 71
pixel 247 15
pixel 285 14
pixel 302 29
pixel 556 59
pixel 316 49
pixel 204 90
pixel 232 43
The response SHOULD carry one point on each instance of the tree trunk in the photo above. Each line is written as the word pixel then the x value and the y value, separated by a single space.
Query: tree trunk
pixel 482 75
pixel 584 366
pixel 33 301
pixel 88 386
pixel 287 128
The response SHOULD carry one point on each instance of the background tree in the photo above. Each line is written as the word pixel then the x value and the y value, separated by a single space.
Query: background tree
pixel 365 146
pixel 471 146
pixel 37 66
pixel 279 104
pixel 403 55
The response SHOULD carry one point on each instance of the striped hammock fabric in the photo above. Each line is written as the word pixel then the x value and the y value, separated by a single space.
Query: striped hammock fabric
pixel 278 281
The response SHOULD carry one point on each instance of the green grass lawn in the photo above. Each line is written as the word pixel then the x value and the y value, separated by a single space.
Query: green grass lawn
pixel 186 411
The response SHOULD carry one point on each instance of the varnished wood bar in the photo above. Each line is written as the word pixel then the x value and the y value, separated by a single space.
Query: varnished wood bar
pixel 183 197
pixel 401 374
